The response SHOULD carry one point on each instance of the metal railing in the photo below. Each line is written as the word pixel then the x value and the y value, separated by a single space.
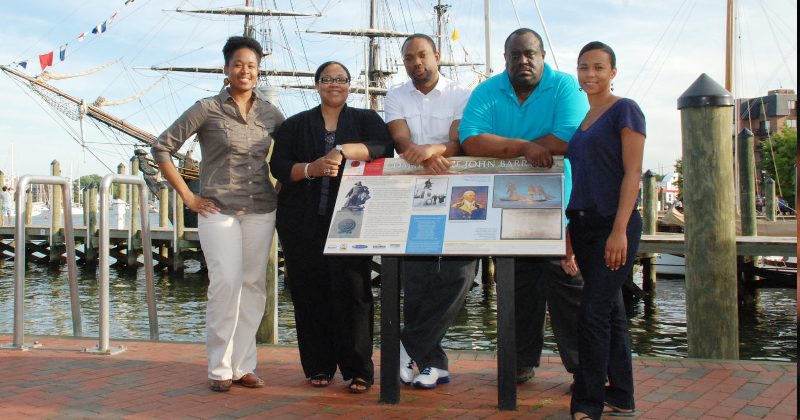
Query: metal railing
pixel 105 184
pixel 20 253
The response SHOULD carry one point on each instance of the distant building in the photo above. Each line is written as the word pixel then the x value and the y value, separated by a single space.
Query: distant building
pixel 668 189
pixel 768 115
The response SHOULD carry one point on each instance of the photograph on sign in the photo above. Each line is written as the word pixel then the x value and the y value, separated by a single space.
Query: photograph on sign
pixel 430 192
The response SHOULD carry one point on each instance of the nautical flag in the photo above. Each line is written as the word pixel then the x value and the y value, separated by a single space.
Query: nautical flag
pixel 62 52
pixel 111 19
pixel 99 29
pixel 128 2
pixel 455 35
pixel 46 60
pixel 23 64
pixel 80 38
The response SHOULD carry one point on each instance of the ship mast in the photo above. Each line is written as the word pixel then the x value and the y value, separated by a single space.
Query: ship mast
pixel 440 11
pixel 375 76
pixel 249 31
pixel 487 24
pixel 730 47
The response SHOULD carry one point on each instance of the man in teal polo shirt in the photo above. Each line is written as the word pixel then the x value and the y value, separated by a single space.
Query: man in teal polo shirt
pixel 532 111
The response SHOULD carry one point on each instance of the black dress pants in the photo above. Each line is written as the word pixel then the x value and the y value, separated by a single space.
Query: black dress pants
pixel 540 284
pixel 434 289
pixel 332 297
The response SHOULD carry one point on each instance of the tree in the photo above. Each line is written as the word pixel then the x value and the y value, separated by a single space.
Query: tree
pixel 83 183
pixel 783 157
pixel 679 182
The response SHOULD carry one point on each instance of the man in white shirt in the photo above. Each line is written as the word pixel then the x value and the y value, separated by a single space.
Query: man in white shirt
pixel 423 116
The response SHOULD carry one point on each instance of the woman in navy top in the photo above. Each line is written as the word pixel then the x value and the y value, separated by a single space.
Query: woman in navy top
pixel 604 230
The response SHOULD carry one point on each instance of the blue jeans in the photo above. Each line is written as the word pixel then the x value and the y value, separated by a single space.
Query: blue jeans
pixel 605 345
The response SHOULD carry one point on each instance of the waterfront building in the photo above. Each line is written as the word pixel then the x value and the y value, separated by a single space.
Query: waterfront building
pixel 767 116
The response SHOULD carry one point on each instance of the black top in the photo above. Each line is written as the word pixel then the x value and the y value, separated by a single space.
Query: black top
pixel 300 139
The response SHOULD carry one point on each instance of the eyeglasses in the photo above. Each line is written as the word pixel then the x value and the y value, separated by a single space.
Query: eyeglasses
pixel 329 80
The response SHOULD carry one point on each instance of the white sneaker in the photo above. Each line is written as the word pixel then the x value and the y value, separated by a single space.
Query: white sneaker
pixel 406 366
pixel 430 377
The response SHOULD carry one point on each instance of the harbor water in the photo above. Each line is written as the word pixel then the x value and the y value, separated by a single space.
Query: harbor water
pixel 658 326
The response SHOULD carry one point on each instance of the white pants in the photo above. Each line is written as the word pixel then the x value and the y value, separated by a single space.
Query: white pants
pixel 236 250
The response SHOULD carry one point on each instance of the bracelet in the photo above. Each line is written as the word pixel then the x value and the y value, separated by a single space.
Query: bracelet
pixel 305 172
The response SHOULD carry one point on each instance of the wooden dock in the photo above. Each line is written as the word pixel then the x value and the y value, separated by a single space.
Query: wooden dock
pixel 667 243
pixel 745 245
pixel 163 238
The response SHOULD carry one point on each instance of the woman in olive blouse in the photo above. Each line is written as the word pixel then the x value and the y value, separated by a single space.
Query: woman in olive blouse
pixel 237 203
pixel 332 296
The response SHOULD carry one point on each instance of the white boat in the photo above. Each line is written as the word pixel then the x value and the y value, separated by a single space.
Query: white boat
pixel 670 265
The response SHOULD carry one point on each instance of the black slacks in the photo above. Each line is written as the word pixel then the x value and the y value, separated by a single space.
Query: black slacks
pixel 540 284
pixel 332 299
pixel 434 289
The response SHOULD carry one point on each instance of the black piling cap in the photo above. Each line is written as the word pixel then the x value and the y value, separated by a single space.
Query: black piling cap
pixel 705 92
pixel 745 133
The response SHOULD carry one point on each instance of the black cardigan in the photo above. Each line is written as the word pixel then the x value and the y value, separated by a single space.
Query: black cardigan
pixel 301 139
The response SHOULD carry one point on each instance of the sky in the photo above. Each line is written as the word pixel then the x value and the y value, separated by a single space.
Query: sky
pixel 661 48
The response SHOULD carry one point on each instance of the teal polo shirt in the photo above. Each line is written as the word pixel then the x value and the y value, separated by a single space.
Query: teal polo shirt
pixel 555 107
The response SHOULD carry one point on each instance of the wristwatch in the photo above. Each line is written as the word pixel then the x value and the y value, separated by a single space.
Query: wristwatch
pixel 340 149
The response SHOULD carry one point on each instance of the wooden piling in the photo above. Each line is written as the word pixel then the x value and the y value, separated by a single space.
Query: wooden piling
pixel 487 272
pixel 747 182
pixel 747 208
pixel 163 214
pixel 92 232
pixel 134 244
pixel 769 200
pixel 121 187
pixel 268 329
pixel 2 184
pixel 29 205
pixel 711 282
pixel 649 217
pixel 177 259
pixel 56 216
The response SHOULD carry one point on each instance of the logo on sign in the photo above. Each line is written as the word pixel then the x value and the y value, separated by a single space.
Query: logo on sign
pixel 394 245
pixel 379 246
pixel 359 246
pixel 343 247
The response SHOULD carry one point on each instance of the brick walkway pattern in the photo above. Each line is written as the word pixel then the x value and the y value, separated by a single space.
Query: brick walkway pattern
pixel 168 381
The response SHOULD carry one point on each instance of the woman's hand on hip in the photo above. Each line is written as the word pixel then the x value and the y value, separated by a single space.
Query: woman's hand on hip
pixel 616 250
pixel 201 205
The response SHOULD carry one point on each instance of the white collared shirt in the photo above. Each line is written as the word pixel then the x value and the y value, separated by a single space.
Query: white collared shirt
pixel 428 116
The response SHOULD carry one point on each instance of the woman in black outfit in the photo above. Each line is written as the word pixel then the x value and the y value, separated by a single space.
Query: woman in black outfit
pixel 332 296
pixel 604 228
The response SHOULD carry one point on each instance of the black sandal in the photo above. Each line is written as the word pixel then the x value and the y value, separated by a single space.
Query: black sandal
pixel 321 377
pixel 359 381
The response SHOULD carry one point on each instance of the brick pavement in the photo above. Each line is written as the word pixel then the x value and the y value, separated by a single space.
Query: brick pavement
pixel 167 381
